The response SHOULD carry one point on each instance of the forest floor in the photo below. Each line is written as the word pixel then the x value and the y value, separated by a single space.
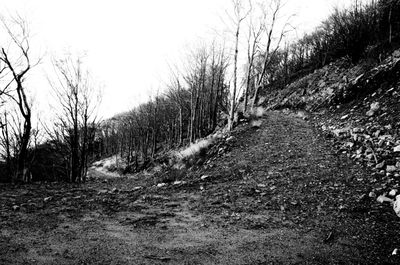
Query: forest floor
pixel 281 195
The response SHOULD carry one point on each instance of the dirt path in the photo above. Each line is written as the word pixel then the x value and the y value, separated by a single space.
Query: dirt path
pixel 281 195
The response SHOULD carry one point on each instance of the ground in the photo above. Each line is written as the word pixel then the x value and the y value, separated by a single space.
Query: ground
pixel 280 194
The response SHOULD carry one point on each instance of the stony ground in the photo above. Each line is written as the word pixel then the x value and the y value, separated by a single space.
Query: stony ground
pixel 280 194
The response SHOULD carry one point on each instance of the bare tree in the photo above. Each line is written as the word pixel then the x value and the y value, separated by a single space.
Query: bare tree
pixel 269 51
pixel 391 6
pixel 16 64
pixel 76 120
pixel 255 31
pixel 238 16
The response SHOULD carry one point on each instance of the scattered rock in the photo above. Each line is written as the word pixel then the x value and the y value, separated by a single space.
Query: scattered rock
pixel 396 205
pixel 230 139
pixel 15 207
pixel 204 177
pixel 47 199
pixel 102 192
pixel 256 124
pixel 160 185
pixel 393 192
pixel 177 182
pixel 391 169
pixel 396 149
pixel 382 199
pixel 344 117
pixel 380 165
pixel 395 252
pixel 374 108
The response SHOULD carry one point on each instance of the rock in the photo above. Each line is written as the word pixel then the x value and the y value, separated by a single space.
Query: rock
pixel 380 165
pixel 204 177
pixel 373 108
pixel 256 124
pixel 395 252
pixel 177 182
pixel 47 199
pixel 160 185
pixel 341 132
pixel 114 190
pixel 377 133
pixel 391 169
pixel 102 192
pixel 396 149
pixel 230 139
pixel 15 207
pixel 370 113
pixel 369 157
pixel 372 194
pixel 388 127
pixel 393 192
pixel 382 199
pixel 396 205
pixel 344 117
pixel 349 144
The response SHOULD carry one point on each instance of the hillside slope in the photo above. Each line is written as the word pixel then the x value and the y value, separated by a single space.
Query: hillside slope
pixel 359 105
pixel 280 194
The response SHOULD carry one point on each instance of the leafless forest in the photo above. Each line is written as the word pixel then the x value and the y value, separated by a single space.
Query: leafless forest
pixel 197 99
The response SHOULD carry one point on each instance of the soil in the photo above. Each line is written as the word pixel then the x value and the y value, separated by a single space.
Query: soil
pixel 281 194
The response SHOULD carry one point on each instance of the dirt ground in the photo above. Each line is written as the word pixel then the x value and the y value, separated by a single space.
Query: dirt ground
pixel 281 195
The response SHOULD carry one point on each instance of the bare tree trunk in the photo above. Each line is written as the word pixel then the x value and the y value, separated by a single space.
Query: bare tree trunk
pixel 180 126
pixel 233 101
pixel 268 53
pixel 239 18
pixel 390 23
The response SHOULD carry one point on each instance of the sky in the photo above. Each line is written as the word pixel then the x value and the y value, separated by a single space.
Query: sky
pixel 129 45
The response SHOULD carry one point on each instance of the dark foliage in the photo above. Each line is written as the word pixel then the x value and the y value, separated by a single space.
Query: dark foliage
pixel 368 31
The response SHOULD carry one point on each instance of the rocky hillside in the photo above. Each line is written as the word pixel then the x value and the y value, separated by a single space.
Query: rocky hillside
pixel 359 106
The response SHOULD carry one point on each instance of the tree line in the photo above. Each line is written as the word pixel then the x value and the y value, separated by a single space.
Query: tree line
pixel 216 83
pixel 64 152
pixel 368 30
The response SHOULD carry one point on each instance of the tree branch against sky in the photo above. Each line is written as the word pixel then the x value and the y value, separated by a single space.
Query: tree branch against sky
pixel 141 64
pixel 16 58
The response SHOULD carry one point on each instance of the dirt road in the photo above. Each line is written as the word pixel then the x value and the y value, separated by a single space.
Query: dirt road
pixel 281 195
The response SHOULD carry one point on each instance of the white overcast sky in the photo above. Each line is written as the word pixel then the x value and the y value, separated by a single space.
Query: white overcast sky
pixel 129 43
